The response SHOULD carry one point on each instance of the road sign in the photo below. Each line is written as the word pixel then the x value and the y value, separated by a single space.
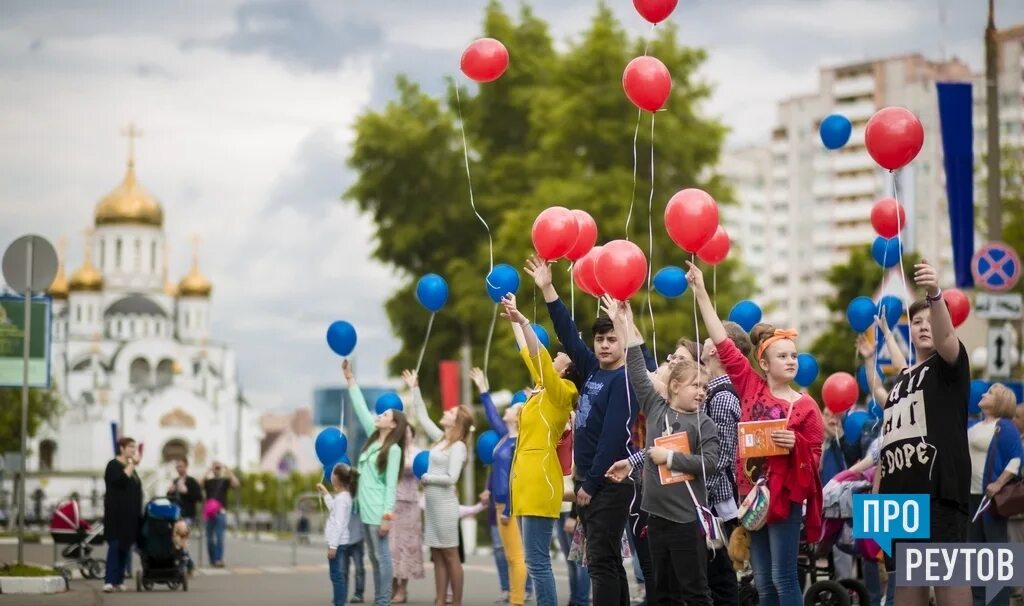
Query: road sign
pixel 30 263
pixel 999 306
pixel 996 267
pixel 1000 341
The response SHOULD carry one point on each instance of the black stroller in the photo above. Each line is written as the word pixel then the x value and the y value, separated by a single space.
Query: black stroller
pixel 162 561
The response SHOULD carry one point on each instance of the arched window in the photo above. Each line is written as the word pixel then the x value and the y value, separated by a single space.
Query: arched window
pixel 138 255
pixel 152 256
pixel 103 255
pixel 164 372
pixel 47 448
pixel 117 253
pixel 139 373
pixel 174 450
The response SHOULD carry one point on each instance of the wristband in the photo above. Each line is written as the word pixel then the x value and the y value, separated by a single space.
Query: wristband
pixel 524 323
pixel 930 299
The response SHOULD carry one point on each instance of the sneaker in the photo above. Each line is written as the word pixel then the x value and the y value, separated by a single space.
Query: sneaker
pixel 529 598
pixel 108 588
pixel 356 599
pixel 122 588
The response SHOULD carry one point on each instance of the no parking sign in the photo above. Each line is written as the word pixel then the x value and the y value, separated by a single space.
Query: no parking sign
pixel 996 267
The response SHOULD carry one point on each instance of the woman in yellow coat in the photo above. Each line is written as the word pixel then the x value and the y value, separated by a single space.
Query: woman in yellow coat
pixel 536 491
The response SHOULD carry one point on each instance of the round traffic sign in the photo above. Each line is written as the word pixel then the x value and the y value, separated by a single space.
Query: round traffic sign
pixel 23 252
pixel 996 267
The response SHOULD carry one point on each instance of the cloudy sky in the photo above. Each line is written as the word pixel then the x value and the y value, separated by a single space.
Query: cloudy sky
pixel 246 109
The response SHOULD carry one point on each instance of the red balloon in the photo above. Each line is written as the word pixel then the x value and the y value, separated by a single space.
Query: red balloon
pixel 691 218
pixel 717 248
pixel 584 272
pixel 893 137
pixel 621 269
pixel 554 232
pixel 655 11
pixel 484 60
pixel 958 304
pixel 839 392
pixel 647 83
pixel 888 218
pixel 586 238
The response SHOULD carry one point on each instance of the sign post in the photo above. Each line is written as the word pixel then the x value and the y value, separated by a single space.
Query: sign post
pixel 29 265
pixel 996 268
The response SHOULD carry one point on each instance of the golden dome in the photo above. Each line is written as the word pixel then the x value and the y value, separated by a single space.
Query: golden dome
pixel 170 288
pixel 87 277
pixel 59 287
pixel 195 284
pixel 129 203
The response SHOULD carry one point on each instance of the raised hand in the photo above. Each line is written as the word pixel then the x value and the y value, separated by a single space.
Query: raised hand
pixel 539 270
pixel 410 378
pixel 865 349
pixel 695 277
pixel 346 369
pixel 479 379
pixel 926 277
pixel 512 312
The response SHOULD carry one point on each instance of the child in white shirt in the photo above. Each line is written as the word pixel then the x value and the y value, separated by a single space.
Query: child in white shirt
pixel 336 533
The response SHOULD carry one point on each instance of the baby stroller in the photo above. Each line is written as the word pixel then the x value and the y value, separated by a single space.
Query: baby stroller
pixel 77 535
pixel 162 560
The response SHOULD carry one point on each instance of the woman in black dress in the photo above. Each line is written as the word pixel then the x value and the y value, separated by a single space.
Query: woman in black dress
pixel 122 511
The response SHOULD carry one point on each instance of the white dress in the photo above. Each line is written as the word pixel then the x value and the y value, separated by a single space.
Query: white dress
pixel 441 527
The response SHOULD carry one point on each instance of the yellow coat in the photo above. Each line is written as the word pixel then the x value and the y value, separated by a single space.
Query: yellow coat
pixel 536 486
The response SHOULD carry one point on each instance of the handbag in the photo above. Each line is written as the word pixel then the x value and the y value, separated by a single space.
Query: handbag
pixel 1009 501
pixel 753 512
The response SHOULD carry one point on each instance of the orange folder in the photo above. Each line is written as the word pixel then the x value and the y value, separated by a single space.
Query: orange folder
pixel 677 442
pixel 755 438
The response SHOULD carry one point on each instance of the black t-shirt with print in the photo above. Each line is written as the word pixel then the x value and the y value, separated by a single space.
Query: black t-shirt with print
pixel 924 432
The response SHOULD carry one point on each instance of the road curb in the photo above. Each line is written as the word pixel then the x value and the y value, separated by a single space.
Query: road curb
pixel 47 585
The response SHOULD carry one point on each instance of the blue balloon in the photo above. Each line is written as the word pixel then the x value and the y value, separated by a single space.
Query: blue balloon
pixel 893 307
pixel 835 131
pixel 542 335
pixel 519 397
pixel 862 377
pixel 329 469
pixel 420 463
pixel 746 313
pixel 886 251
pixel 432 292
pixel 389 401
pixel 485 446
pixel 854 423
pixel 861 314
pixel 875 410
pixel 670 281
pixel 978 389
pixel 330 445
pixel 341 338
pixel 806 369
pixel 503 280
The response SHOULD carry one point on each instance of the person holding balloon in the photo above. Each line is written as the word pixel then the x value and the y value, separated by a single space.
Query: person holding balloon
pixel 447 457
pixel 925 449
pixel 344 481
pixel 774 546
pixel 507 428
pixel 536 485
pixel 407 538
pixel 379 466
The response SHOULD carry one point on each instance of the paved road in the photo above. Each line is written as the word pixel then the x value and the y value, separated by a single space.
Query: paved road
pixel 262 573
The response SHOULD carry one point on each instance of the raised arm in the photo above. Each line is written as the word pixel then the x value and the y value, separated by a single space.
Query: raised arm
pixel 412 381
pixel 519 321
pixel 707 309
pixel 493 418
pixel 448 477
pixel 566 330
pixel 358 400
pixel 943 333
pixel 621 315
pixel 899 361
pixel 871 368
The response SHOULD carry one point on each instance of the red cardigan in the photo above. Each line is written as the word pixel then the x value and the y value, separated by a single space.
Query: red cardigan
pixel 792 479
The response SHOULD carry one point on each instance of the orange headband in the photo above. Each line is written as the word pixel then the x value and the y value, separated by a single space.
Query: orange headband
pixel 777 336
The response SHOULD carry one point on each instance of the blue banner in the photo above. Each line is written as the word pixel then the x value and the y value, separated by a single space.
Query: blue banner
pixel 955 117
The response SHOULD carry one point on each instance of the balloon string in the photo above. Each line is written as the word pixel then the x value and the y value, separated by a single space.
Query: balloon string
pixel 714 286
pixel 696 324
pixel 423 349
pixel 899 236
pixel 469 179
pixel 650 247
pixel 490 335
pixel 572 291
pixel 632 195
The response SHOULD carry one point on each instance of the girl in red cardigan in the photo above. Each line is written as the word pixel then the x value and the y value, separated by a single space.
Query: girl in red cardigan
pixel 792 479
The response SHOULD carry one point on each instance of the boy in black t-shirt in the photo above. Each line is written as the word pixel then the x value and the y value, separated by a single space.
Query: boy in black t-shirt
pixel 187 493
pixel 924 431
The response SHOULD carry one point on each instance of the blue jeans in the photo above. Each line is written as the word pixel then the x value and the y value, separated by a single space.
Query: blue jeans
pixel 379 550
pixel 872 581
pixel 579 579
pixel 338 580
pixel 773 554
pixel 499 559
pixel 537 546
pixel 215 528
pixel 118 557
pixel 354 554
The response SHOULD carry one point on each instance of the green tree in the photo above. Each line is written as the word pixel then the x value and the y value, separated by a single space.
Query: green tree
pixel 555 129
pixel 43 406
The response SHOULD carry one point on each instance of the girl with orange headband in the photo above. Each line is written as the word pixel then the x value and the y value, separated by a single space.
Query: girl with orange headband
pixel 791 479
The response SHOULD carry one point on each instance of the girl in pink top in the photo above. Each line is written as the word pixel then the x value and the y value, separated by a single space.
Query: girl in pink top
pixel 792 479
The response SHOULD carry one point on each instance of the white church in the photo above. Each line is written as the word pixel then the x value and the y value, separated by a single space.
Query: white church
pixel 132 347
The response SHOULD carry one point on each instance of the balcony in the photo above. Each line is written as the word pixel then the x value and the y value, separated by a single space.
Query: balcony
pixel 848 162
pixel 856 186
pixel 854 87
pixel 859 110
pixel 852 211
